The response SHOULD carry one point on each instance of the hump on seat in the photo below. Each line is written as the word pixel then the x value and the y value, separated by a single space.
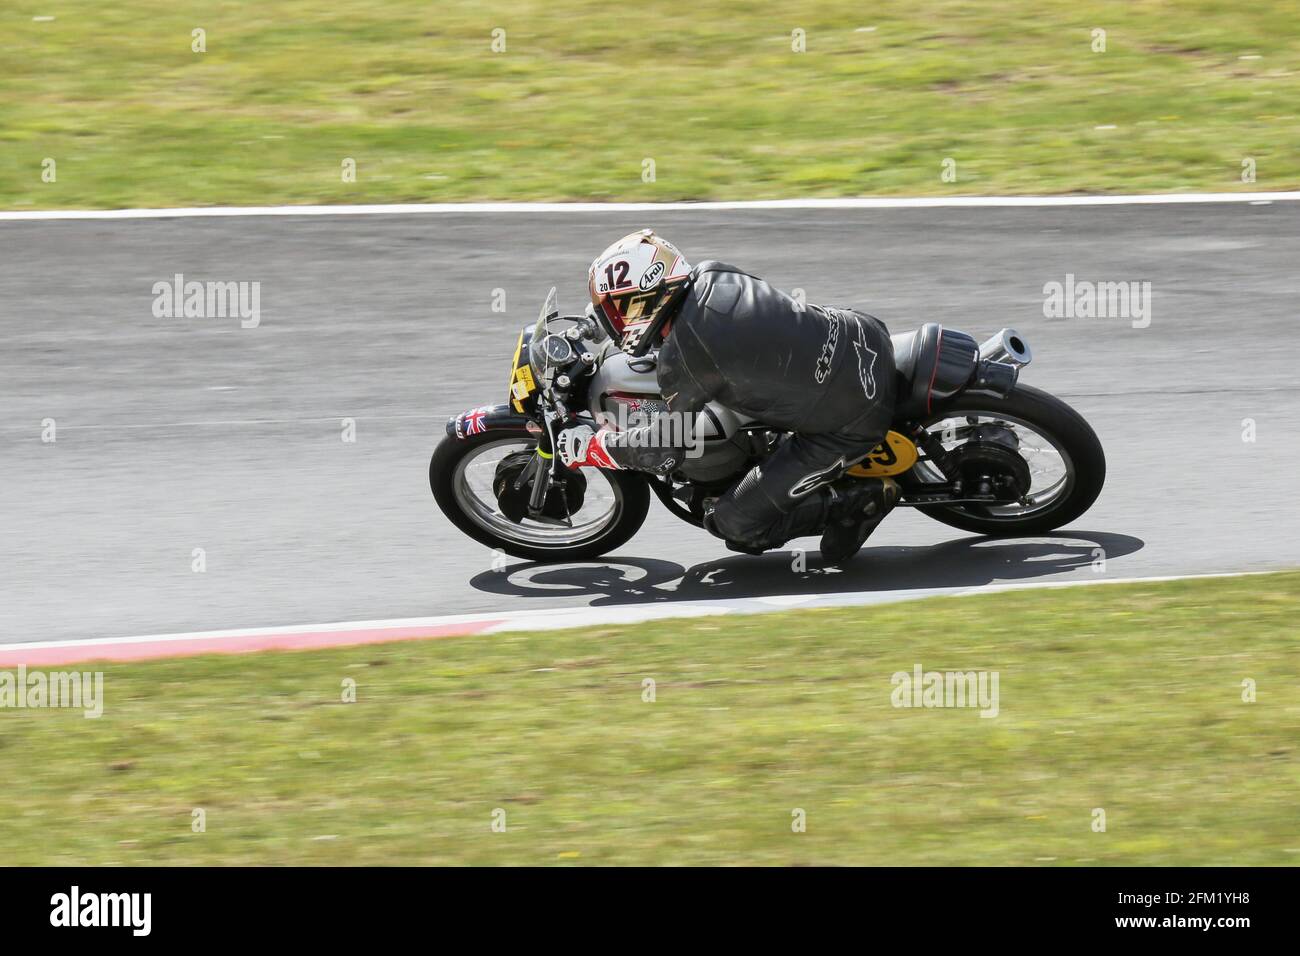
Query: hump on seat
pixel 916 356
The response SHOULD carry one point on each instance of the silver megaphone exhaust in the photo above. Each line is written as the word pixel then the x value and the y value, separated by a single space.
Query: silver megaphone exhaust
pixel 1007 347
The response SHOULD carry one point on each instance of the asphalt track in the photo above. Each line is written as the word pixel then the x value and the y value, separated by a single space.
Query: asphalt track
pixel 177 434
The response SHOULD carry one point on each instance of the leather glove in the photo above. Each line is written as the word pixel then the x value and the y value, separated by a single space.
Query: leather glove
pixel 580 447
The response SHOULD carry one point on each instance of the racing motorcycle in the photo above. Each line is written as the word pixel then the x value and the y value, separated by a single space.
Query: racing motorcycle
pixel 969 445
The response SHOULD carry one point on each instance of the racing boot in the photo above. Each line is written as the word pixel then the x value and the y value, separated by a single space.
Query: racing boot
pixel 859 506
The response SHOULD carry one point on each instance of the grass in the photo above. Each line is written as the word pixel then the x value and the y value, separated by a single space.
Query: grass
pixel 1126 698
pixel 586 91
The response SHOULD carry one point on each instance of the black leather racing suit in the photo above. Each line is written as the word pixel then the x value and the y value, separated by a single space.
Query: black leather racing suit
pixel 826 375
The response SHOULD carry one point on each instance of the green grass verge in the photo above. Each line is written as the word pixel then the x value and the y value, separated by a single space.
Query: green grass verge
pixel 586 91
pixel 1126 698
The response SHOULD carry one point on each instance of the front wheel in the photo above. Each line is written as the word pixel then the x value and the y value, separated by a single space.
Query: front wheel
pixel 1067 466
pixel 461 475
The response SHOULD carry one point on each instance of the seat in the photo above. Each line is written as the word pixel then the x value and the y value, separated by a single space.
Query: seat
pixel 916 358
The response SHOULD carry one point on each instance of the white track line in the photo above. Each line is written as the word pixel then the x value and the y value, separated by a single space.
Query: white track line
pixel 558 618
pixel 879 202
pixel 587 616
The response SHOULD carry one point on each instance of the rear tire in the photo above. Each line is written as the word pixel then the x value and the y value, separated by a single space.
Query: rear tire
pixel 630 489
pixel 1054 419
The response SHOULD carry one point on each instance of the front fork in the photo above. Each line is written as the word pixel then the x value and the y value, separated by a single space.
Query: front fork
pixel 543 466
pixel 544 461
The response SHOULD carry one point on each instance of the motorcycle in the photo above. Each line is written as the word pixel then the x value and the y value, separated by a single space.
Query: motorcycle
pixel 969 444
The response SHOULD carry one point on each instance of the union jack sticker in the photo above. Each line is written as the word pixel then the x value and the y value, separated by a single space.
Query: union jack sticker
pixel 473 421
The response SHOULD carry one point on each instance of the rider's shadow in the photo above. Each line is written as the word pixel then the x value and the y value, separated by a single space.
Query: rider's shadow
pixel 965 562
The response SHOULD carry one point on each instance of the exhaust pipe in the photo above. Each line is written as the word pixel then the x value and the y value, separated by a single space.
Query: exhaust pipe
pixel 1000 360
pixel 1007 347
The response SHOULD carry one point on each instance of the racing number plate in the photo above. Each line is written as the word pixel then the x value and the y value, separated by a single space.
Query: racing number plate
pixel 521 377
pixel 893 456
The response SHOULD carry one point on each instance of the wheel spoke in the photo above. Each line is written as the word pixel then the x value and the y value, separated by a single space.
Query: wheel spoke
pixel 472 484
pixel 1050 469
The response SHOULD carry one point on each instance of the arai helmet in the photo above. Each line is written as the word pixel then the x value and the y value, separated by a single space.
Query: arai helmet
pixel 636 285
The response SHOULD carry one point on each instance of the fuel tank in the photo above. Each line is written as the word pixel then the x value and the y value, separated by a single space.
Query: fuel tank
pixel 624 393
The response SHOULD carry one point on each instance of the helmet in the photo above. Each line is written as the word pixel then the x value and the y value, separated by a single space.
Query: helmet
pixel 635 287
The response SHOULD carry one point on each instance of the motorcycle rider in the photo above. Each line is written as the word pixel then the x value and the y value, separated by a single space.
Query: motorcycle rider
pixel 826 375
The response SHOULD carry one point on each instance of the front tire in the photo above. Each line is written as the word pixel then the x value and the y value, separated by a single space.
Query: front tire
pixel 1060 424
pixel 632 502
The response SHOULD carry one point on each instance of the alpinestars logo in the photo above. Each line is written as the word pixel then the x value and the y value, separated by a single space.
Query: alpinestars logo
pixel 824 360
pixel 598 455
pixel 816 479
pixel 866 366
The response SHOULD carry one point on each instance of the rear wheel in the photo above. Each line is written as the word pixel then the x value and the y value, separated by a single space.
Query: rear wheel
pixel 461 476
pixel 1066 464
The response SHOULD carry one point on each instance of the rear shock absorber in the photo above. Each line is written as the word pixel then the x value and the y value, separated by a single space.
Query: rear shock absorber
pixel 935 451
